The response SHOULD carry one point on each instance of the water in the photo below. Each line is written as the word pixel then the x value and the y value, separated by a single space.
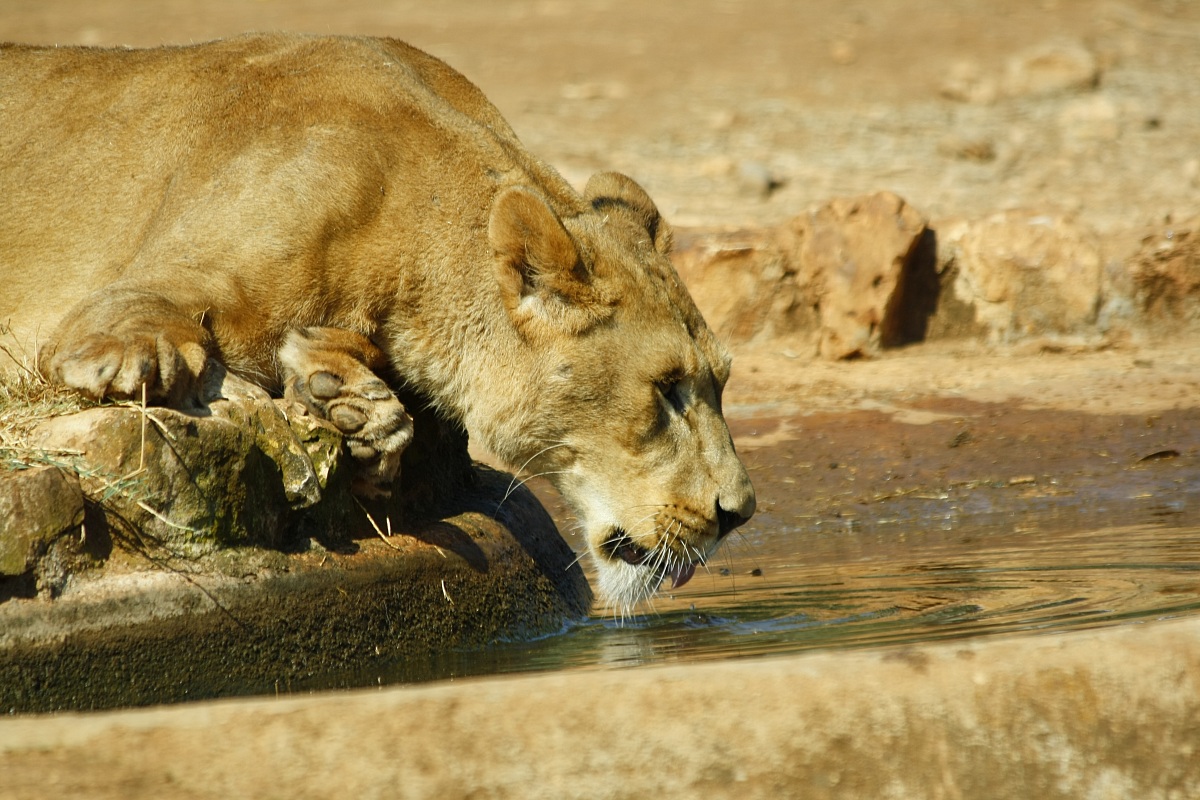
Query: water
pixel 872 532
pixel 871 588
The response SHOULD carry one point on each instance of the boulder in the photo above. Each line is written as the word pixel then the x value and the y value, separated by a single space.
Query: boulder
pixel 1024 273
pixel 853 258
pixel 844 279
pixel 229 474
pixel 745 284
pixel 242 469
pixel 859 274
pixel 37 505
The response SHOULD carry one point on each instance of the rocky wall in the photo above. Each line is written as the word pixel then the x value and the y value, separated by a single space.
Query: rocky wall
pixel 856 275
pixel 162 556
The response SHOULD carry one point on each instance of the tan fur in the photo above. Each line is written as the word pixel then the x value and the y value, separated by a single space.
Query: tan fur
pixel 234 199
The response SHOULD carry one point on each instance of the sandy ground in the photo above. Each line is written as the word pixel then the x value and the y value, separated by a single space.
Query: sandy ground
pixel 700 99
pixel 735 112
pixel 1145 377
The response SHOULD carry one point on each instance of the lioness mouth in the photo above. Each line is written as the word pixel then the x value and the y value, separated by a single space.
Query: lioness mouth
pixel 621 546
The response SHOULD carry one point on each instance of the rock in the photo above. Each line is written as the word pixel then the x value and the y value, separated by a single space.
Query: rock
pixel 191 485
pixel 752 178
pixel 222 551
pixel 756 179
pixel 853 255
pixel 860 274
pixel 37 505
pixel 255 620
pixel 981 149
pixel 966 82
pixel 1090 119
pixel 845 273
pixel 1049 68
pixel 1165 273
pixel 227 476
pixel 1056 66
pixel 1025 273
pixel 744 284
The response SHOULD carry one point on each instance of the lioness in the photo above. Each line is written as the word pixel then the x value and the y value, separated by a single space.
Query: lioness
pixel 319 213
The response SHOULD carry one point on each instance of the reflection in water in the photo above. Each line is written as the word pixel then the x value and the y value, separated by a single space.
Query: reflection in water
pixel 874 532
pixel 858 589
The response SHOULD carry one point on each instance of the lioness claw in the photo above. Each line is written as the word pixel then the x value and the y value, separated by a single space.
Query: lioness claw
pixel 122 368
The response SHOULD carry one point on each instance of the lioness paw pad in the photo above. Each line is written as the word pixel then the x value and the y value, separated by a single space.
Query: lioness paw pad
pixel 324 370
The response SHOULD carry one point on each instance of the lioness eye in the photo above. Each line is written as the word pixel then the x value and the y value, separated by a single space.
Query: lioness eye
pixel 671 392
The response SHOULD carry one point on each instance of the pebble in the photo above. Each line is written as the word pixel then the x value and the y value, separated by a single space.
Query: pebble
pixel 756 179
pixel 1051 67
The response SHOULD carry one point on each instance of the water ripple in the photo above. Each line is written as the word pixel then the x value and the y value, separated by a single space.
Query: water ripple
pixel 860 590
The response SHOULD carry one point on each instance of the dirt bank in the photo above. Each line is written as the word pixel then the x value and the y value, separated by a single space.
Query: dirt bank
pixel 1095 714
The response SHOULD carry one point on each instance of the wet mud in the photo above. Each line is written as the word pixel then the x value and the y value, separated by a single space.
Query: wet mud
pixel 968 466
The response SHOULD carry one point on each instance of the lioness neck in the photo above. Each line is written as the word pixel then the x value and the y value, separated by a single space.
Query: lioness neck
pixel 459 350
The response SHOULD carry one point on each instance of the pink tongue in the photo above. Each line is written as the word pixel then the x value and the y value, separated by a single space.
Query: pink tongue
pixel 684 575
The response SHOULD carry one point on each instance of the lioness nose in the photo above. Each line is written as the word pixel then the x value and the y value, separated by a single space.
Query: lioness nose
pixel 728 520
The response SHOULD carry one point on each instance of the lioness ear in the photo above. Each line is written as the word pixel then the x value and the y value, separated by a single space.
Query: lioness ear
pixel 612 190
pixel 541 276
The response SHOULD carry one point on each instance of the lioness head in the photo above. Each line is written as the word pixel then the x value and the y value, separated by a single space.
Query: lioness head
pixel 626 418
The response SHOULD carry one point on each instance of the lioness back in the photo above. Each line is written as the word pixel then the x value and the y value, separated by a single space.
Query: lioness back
pixel 272 148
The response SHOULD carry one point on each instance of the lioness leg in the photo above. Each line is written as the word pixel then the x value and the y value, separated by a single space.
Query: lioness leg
pixel 330 371
pixel 117 341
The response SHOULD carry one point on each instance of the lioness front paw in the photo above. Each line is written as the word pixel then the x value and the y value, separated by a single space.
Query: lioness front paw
pixel 102 365
pixel 373 422
pixel 328 371
pixel 119 342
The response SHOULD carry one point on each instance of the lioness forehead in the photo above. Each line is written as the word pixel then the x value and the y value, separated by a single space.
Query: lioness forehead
pixel 665 320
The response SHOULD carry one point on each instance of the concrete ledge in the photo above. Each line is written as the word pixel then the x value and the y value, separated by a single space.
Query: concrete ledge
pixel 1107 713
pixel 256 621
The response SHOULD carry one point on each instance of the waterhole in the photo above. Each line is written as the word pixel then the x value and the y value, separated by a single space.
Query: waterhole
pixel 863 588
pixel 872 531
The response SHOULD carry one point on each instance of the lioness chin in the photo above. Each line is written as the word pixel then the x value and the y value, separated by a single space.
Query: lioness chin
pixel 327 215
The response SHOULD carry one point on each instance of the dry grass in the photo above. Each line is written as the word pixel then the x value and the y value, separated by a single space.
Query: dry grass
pixel 26 399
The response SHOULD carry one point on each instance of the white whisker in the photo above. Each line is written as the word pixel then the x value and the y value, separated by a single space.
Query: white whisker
pixel 512 488
pixel 576 560
pixel 671 539
pixel 508 492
